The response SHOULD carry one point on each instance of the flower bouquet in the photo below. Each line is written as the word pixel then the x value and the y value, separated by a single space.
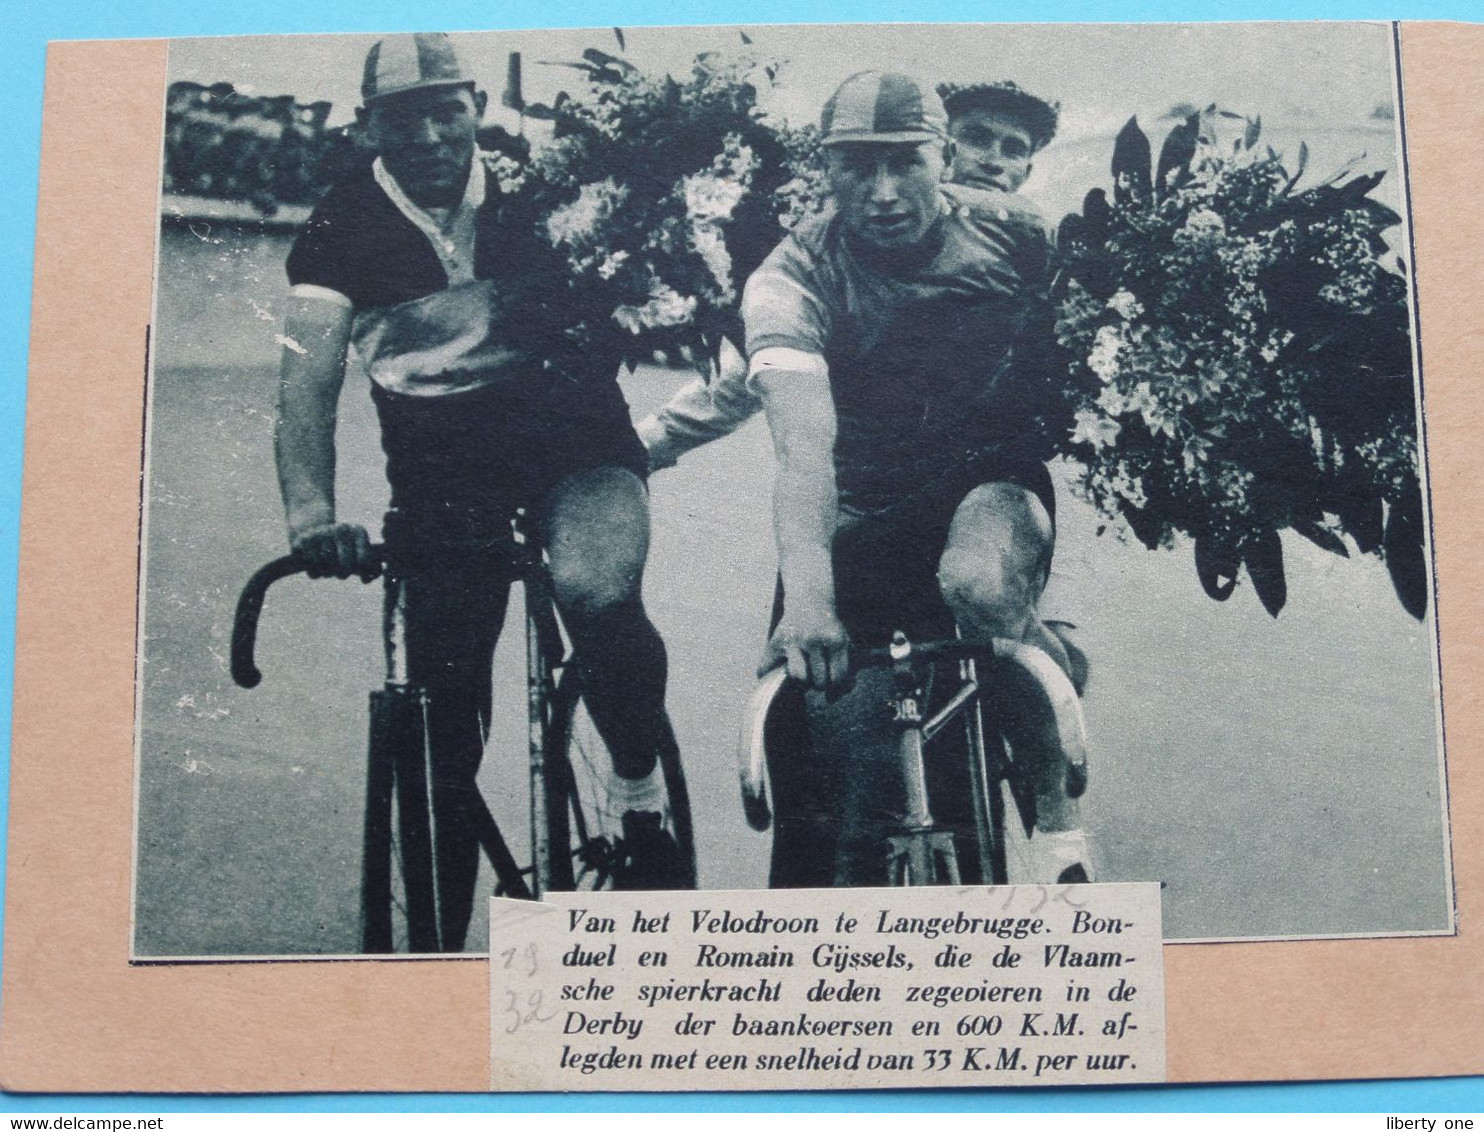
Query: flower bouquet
pixel 1240 359
pixel 654 201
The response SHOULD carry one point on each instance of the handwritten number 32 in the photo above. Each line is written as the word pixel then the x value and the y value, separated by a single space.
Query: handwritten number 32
pixel 523 1012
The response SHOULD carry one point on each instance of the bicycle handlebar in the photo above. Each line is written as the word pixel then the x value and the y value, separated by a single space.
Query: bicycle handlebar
pixel 250 604
pixel 1027 672
pixel 752 744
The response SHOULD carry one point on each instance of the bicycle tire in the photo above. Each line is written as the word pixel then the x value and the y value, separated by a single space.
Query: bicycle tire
pixel 584 824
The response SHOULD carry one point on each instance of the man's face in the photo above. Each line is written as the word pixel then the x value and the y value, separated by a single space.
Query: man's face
pixel 426 140
pixel 887 193
pixel 991 151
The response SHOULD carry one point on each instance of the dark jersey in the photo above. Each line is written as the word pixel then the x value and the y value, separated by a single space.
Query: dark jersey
pixel 435 313
pixel 921 346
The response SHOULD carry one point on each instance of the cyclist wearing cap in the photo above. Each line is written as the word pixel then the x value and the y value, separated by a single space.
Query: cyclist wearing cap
pixel 996 129
pixel 417 262
pixel 890 342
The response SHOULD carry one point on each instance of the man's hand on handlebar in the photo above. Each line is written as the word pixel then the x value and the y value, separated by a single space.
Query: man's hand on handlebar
pixel 814 646
pixel 336 550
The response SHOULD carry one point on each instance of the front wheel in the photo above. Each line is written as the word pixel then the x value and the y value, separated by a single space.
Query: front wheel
pixel 587 850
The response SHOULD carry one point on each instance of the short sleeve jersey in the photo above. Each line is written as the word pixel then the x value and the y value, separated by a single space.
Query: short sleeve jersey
pixel 920 346
pixel 424 324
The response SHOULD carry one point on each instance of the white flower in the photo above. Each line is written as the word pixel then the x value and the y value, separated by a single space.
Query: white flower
pixel 1103 360
pixel 611 263
pixel 1126 305
pixel 1156 418
pixel 508 173
pixel 1197 450
pixel 1095 429
pixel 712 248
pixel 1111 401
pixel 710 198
pixel 666 307
pixel 1130 487
pixel 1204 220
pixel 578 222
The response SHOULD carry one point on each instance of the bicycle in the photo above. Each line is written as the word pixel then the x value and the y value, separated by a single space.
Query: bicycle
pixel 576 843
pixel 922 851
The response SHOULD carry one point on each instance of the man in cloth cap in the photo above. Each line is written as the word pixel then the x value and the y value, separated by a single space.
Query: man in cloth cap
pixel 996 130
pixel 892 342
pixel 417 262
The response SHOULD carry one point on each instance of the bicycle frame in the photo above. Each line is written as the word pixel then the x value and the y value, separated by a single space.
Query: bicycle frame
pixel 922 852
pixel 399 764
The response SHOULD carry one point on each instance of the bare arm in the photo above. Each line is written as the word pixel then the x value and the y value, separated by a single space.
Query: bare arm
pixel 795 392
pixel 316 340
pixel 700 412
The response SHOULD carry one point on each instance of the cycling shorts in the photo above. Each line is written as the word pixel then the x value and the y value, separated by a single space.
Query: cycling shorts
pixel 886 563
pixel 460 465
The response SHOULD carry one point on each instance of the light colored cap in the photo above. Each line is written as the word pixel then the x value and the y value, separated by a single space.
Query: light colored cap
pixel 400 63
pixel 881 107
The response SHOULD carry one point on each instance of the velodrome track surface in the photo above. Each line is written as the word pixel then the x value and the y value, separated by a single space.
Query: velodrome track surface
pixel 1280 776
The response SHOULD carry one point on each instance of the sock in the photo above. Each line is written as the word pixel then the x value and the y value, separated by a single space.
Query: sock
pixel 647 793
pixel 1059 850
pixel 623 666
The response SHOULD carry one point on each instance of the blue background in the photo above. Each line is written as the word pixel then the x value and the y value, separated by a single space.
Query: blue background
pixel 24 30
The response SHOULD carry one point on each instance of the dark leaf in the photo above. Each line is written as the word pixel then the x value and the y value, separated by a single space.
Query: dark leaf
pixel 1071 234
pixel 1303 163
pixel 1322 537
pixel 745 38
pixel 608 62
pixel 1216 567
pixel 540 111
pixel 1176 155
pixel 587 69
pixel 1381 215
pixel 1131 157
pixel 1405 558
pixel 1098 214
pixel 1362 185
pixel 1363 520
pixel 1207 127
pixel 618 35
pixel 1253 131
pixel 1098 273
pixel 1263 555
pixel 1147 529
pixel 1342 172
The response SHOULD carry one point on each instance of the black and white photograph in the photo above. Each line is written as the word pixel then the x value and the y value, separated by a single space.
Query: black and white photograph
pixel 777 457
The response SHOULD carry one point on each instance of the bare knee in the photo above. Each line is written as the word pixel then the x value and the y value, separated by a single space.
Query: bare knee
pixel 986 595
pixel 598 540
pixel 591 588
pixel 994 565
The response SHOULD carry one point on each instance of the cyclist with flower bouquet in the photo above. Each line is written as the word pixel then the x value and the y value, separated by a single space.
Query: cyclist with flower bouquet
pixel 890 341
pixel 421 263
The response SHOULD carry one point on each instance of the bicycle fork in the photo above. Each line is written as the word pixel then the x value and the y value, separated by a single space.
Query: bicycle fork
pixel 401 768
pixel 921 854
pixel 400 765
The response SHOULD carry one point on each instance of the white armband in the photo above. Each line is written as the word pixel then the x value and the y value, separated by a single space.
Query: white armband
pixel 784 359
pixel 323 294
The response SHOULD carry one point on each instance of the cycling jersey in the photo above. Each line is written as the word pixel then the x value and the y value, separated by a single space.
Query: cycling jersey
pixel 921 345
pixel 442 304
